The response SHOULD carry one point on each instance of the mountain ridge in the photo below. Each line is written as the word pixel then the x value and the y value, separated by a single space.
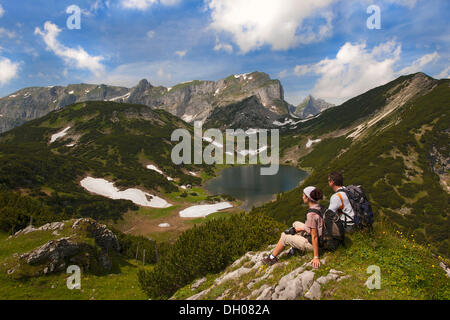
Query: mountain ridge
pixel 190 101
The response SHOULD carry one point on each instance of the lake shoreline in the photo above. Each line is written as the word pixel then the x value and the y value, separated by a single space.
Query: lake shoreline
pixel 257 197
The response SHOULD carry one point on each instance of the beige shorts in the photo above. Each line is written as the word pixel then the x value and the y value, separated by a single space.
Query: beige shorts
pixel 296 241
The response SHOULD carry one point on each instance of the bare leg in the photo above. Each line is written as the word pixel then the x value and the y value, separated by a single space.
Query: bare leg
pixel 278 249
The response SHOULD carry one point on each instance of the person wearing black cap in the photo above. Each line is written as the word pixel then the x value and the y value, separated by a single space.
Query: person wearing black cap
pixel 303 236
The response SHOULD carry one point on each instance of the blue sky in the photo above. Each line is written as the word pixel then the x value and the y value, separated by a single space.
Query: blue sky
pixel 322 47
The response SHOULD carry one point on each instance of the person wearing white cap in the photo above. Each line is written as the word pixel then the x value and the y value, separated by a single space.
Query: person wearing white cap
pixel 303 236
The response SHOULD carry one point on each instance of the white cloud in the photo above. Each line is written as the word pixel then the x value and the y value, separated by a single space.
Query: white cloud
pixel 6 33
pixel 223 46
pixel 144 4
pixel 8 70
pixel 354 70
pixel 280 24
pixel 445 74
pixel 2 11
pixel 150 34
pixel 357 69
pixel 283 74
pixel 78 58
pixel 181 54
pixel 165 72
pixel 302 69
pixel 417 65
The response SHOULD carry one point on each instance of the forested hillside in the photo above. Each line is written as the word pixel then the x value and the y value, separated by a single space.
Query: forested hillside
pixel 45 159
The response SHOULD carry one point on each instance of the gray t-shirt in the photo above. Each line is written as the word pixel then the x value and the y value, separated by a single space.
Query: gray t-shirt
pixel 336 203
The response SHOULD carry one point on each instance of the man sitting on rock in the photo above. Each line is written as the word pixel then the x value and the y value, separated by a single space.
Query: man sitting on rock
pixel 303 236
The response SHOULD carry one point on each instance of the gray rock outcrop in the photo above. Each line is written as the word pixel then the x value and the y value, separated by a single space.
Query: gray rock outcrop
pixel 57 255
pixel 298 283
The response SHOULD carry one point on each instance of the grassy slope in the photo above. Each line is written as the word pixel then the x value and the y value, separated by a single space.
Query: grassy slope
pixel 408 271
pixel 122 283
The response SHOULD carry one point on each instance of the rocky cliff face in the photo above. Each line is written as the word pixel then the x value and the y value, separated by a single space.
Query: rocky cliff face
pixel 190 101
pixel 311 107
pixel 246 114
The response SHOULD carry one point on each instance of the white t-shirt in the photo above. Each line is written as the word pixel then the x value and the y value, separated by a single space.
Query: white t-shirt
pixel 336 203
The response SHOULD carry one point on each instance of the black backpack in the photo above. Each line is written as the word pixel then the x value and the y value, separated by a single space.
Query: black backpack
pixel 333 233
pixel 361 206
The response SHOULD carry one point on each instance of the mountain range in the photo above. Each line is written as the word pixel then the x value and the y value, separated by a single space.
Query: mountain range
pixel 190 101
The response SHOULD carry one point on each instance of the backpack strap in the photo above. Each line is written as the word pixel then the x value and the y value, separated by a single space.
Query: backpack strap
pixel 319 212
pixel 308 237
pixel 342 201
pixel 342 207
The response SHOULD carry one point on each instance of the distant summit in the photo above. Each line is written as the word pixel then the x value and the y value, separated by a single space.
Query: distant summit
pixel 311 106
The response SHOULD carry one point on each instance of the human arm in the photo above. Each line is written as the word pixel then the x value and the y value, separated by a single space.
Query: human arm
pixel 298 226
pixel 315 262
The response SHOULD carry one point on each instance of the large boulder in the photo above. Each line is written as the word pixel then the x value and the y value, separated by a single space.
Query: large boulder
pixel 74 249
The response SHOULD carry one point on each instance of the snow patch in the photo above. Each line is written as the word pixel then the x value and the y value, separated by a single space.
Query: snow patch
pixel 125 96
pixel 58 135
pixel 107 189
pixel 152 167
pixel 204 210
pixel 280 124
pixel 252 152
pixel 310 142
pixel 207 139
pixel 164 225
pixel 245 76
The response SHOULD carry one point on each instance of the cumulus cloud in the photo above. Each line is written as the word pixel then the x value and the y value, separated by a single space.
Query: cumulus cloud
pixel 144 4
pixel 2 11
pixel 78 58
pixel 354 70
pixel 418 64
pixel 357 69
pixel 280 24
pixel 8 70
pixel 150 34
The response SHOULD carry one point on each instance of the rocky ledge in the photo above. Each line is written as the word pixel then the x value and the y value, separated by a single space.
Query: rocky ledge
pixel 249 279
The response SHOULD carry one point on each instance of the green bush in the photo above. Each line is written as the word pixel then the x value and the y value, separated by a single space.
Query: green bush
pixel 208 248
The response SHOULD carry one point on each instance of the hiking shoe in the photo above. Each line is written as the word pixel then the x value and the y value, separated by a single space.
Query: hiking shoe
pixel 294 252
pixel 269 261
